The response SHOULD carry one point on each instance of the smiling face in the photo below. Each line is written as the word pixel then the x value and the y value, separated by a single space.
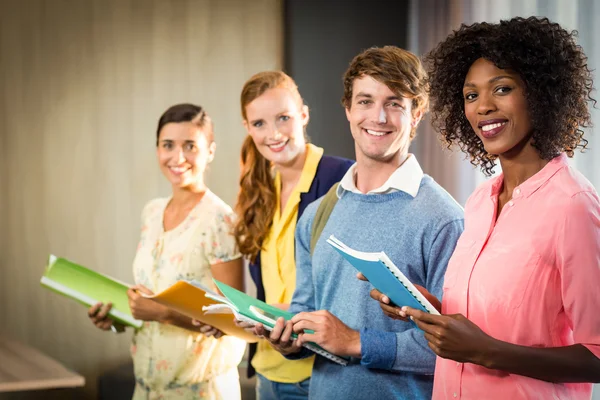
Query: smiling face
pixel 380 121
pixel 276 122
pixel 183 153
pixel 496 108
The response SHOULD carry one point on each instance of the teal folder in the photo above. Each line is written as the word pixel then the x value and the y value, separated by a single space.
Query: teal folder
pixel 247 308
pixel 385 276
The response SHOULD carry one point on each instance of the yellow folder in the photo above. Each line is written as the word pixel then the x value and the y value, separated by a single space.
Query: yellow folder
pixel 188 299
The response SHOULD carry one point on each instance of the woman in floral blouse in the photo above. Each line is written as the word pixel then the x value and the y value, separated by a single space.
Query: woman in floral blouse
pixel 185 236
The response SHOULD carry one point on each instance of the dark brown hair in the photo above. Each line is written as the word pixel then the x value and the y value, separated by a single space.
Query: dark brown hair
pixel 398 69
pixel 187 113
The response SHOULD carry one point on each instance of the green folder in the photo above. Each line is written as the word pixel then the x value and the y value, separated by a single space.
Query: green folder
pixel 89 287
pixel 253 310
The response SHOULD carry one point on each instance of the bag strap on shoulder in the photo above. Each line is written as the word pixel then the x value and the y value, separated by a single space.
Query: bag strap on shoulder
pixel 322 215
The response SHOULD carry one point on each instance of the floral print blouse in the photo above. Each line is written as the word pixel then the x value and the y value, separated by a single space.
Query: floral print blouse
pixel 172 362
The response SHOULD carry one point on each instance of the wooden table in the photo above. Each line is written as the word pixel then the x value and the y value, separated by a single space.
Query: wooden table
pixel 25 368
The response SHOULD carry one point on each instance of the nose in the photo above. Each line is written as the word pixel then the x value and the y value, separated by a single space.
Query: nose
pixel 485 104
pixel 179 156
pixel 380 115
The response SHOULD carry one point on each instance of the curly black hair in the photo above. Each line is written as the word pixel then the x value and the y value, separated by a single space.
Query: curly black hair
pixel 558 83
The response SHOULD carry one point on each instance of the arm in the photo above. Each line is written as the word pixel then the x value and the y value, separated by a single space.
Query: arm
pixel 408 350
pixel 578 260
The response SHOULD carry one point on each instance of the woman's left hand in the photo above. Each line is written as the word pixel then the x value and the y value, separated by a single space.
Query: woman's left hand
pixel 453 336
pixel 145 309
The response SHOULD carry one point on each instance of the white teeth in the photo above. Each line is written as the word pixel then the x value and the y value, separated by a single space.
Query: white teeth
pixel 489 127
pixel 178 170
pixel 375 133
pixel 277 146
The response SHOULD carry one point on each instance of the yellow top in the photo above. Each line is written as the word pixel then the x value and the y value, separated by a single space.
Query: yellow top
pixel 278 266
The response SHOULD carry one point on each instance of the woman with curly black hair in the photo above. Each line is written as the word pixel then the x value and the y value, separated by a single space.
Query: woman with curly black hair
pixel 521 302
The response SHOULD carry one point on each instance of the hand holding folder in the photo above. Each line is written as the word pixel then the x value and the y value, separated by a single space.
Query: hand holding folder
pixel 395 312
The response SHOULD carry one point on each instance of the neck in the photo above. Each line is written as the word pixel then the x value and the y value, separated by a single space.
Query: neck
pixel 371 174
pixel 519 166
pixel 290 173
pixel 188 195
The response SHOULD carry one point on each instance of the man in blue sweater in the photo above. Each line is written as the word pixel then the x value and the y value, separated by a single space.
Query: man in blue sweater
pixel 385 203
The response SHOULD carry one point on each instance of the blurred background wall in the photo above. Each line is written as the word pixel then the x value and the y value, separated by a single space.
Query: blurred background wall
pixel 82 85
pixel 83 82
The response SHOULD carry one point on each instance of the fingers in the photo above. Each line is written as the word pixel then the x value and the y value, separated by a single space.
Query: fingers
pixel 142 289
pixel 361 277
pixel 102 312
pixel 286 336
pixel 132 294
pixel 260 331
pixel 93 310
pixel 195 322
pixel 275 335
pixel 380 297
pixel 415 314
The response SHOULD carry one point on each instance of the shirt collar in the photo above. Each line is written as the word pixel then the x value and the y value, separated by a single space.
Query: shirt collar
pixel 406 178
pixel 532 184
pixel 309 170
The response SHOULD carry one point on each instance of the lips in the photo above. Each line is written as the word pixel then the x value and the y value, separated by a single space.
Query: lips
pixel 376 133
pixel 491 127
pixel 179 170
pixel 277 147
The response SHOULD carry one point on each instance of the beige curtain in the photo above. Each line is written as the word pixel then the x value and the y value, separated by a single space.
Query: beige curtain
pixel 82 84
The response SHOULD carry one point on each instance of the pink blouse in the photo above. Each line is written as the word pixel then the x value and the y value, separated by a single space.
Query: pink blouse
pixel 531 277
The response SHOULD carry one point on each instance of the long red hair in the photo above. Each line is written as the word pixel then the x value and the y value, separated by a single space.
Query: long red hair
pixel 257 200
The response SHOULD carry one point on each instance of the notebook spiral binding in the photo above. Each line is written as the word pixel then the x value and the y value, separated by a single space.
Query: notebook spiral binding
pixel 409 291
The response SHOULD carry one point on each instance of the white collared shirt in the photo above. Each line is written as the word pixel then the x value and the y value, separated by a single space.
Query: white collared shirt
pixel 406 178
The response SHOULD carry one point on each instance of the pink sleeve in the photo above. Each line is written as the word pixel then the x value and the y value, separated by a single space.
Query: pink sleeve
pixel 578 259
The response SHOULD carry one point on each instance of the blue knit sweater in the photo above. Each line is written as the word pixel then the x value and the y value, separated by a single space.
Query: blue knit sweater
pixel 419 235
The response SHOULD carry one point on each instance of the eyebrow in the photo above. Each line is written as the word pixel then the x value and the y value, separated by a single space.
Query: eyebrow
pixel 368 96
pixel 171 141
pixel 494 79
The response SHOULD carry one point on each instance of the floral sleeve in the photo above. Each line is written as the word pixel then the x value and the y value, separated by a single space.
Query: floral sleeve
pixel 222 247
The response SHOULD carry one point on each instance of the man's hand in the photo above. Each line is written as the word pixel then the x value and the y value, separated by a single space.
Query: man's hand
pixel 280 337
pixel 395 312
pixel 329 332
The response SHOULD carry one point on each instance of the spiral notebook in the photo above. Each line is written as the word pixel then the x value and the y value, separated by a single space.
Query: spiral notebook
pixel 253 311
pixel 384 276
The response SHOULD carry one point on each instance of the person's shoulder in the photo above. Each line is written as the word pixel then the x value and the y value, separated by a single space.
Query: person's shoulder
pixel 334 165
pixel 154 207
pixel 217 204
pixel 569 182
pixel 438 202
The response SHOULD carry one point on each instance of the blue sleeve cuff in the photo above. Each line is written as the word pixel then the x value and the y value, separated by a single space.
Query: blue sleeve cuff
pixel 378 349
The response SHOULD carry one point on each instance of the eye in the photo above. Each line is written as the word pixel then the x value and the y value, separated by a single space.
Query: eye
pixel 364 102
pixel 167 145
pixel 257 124
pixel 189 146
pixel 470 96
pixel 395 104
pixel 503 90
pixel 284 118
